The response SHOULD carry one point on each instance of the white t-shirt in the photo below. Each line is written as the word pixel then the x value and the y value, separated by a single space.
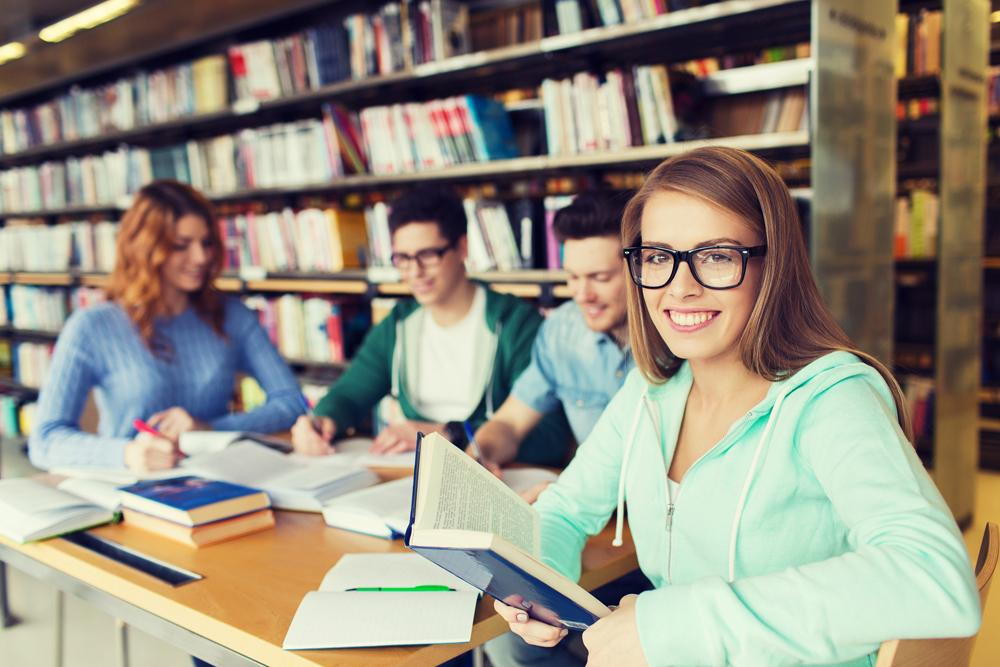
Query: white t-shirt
pixel 453 364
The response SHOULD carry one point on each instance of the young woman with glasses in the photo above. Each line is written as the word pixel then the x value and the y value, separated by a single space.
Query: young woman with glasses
pixel 773 496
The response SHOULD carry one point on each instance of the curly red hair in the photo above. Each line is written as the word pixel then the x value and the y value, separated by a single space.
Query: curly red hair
pixel 145 240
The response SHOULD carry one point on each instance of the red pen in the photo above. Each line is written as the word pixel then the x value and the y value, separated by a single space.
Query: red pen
pixel 146 428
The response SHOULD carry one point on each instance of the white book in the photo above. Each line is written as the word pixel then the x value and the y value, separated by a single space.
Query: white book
pixel 382 510
pixel 383 618
pixel 291 483
pixel 32 510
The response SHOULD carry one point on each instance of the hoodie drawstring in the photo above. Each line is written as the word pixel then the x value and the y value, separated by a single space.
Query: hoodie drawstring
pixel 619 520
pixel 746 484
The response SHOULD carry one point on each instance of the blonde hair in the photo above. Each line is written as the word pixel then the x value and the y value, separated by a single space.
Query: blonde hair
pixel 790 325
pixel 145 241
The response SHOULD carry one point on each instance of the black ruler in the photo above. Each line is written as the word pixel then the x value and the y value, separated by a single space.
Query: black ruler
pixel 165 572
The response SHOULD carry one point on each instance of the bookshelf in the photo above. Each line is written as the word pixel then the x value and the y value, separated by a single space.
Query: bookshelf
pixel 939 320
pixel 846 153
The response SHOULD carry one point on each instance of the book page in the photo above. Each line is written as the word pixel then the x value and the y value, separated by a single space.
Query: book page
pixel 243 463
pixel 194 443
pixel 456 493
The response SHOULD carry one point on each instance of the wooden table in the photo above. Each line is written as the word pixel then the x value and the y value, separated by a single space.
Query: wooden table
pixel 239 613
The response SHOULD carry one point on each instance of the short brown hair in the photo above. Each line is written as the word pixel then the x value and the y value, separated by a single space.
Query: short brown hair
pixel 790 325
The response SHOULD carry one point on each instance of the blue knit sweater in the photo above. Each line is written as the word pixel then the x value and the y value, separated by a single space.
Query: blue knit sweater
pixel 100 349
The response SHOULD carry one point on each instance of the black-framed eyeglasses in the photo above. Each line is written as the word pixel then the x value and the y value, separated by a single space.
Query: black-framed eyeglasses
pixel 714 267
pixel 425 258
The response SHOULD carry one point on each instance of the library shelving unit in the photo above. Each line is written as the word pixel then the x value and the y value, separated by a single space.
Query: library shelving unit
pixel 939 301
pixel 846 157
pixel 989 397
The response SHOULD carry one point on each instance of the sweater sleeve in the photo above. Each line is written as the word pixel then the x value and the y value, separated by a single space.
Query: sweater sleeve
pixel 56 440
pixel 366 380
pixel 906 573
pixel 257 357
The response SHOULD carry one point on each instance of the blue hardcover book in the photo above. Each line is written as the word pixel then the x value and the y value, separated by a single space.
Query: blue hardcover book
pixel 471 524
pixel 191 500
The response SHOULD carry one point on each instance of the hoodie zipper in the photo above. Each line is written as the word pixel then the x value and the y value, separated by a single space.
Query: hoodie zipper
pixel 672 502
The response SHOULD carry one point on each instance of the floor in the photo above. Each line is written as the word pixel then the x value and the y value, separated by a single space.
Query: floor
pixel 89 638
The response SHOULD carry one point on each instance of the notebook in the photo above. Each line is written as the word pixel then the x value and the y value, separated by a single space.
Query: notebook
pixel 335 617
pixel 32 510
pixel 382 510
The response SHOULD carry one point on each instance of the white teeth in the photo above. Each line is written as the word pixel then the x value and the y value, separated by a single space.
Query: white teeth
pixel 690 319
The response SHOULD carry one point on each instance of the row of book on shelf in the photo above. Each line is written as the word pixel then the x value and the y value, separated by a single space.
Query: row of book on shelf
pixel 88 247
pixel 397 36
pixel 501 236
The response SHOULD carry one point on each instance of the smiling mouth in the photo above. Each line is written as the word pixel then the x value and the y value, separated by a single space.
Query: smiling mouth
pixel 691 320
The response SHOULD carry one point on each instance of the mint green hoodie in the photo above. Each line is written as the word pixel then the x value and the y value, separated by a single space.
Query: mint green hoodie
pixel 808 534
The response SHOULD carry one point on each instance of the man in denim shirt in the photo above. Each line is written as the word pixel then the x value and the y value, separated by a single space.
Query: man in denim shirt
pixel 580 356
pixel 579 359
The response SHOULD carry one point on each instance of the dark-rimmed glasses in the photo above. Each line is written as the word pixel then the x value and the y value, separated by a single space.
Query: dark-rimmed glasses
pixel 425 258
pixel 714 267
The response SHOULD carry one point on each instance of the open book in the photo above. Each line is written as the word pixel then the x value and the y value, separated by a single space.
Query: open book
pixel 33 510
pixel 384 510
pixel 291 484
pixel 473 525
pixel 339 615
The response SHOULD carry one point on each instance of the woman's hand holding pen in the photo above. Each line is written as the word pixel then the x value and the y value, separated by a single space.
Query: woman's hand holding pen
pixel 311 435
pixel 401 436
pixel 150 452
pixel 174 421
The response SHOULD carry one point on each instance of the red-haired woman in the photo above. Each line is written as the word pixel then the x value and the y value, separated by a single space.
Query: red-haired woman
pixel 166 348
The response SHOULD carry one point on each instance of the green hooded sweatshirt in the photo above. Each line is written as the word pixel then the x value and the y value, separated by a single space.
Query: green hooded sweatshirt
pixel 808 534
pixel 380 368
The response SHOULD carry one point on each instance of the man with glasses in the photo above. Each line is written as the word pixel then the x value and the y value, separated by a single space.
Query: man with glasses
pixel 442 360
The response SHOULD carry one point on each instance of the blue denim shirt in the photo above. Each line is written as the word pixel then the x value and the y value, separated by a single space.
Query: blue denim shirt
pixel 573 365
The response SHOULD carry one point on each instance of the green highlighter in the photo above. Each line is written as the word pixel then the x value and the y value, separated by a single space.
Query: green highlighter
pixel 427 588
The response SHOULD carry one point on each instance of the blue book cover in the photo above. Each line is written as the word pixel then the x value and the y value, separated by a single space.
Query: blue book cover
pixel 188 492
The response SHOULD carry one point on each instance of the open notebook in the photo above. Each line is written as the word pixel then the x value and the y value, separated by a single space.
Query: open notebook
pixel 336 617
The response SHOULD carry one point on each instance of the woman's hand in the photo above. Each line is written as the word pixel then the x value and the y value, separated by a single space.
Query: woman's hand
pixel 311 435
pixel 533 632
pixel 174 421
pixel 401 437
pixel 614 640
pixel 147 453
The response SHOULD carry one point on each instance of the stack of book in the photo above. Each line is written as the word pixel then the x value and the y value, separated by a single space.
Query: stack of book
pixel 415 136
pixel 310 240
pixel 196 511
pixel 147 97
pixel 309 329
pixel 37 308
pixel 624 107
pixel 31 363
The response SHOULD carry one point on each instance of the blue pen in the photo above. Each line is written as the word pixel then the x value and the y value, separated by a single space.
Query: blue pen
pixel 476 452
